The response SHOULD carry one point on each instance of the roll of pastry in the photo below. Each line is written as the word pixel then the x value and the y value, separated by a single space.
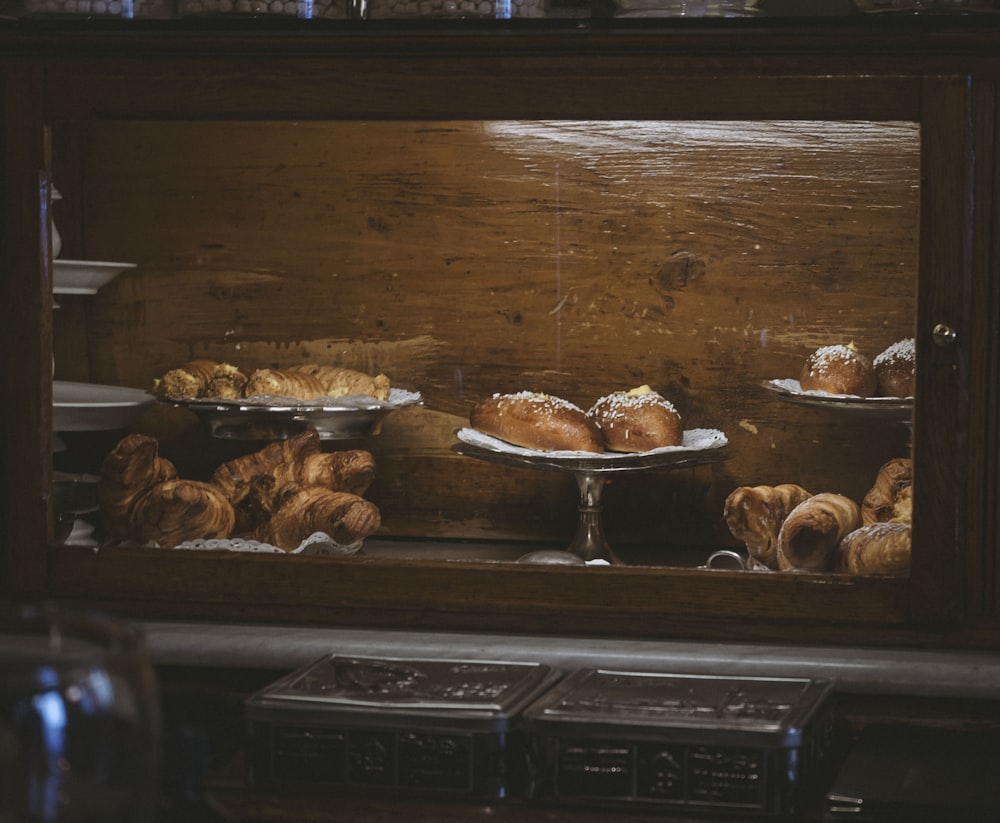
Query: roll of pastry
pixel 295 385
pixel 754 514
pixel 188 381
pixel 537 421
pixel 129 471
pixel 889 498
pixel 227 383
pixel 341 382
pixel 178 510
pixel 811 533
pixel 878 548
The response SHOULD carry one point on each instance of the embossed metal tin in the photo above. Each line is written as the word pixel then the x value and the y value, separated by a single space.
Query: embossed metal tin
pixel 438 727
pixel 689 743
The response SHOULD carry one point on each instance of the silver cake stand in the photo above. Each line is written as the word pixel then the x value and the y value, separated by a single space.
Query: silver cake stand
pixel 590 473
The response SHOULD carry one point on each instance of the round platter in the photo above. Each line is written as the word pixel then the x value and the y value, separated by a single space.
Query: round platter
pixel 894 408
pixel 699 446
pixel 84 276
pixel 94 407
pixel 263 418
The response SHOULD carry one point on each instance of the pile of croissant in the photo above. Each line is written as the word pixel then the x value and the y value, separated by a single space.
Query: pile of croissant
pixel 279 495
pixel 786 528
pixel 204 378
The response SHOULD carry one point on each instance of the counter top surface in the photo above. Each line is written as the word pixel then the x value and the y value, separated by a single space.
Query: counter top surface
pixel 963 674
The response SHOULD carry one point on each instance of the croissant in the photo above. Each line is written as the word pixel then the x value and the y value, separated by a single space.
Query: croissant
pixel 295 385
pixel 340 382
pixel 813 529
pixel 190 380
pixel 304 510
pixel 178 510
pixel 878 548
pixel 346 471
pixel 235 476
pixel 131 469
pixel 754 514
pixel 256 505
pixel 892 480
pixel 227 383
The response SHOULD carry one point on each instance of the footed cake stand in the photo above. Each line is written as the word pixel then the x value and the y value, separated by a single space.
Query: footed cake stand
pixel 590 471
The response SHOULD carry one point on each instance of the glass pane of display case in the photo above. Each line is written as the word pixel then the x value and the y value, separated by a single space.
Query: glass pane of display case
pixel 707 260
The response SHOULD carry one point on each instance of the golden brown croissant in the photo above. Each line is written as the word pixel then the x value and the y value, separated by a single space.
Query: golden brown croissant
pixel 305 510
pixel 339 471
pixel 190 380
pixel 234 476
pixel 878 548
pixel 340 382
pixel 131 469
pixel 813 530
pixel 227 383
pixel 754 515
pixel 178 510
pixel 295 385
pixel 893 481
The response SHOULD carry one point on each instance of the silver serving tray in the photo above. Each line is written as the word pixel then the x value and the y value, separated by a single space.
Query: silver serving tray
pixel 345 418
pixel 791 391
pixel 699 446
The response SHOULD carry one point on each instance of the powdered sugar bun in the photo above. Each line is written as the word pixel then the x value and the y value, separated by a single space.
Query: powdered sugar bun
pixel 838 369
pixel 637 421
pixel 537 421
pixel 896 369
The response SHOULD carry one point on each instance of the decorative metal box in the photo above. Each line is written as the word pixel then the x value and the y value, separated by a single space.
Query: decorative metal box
pixel 748 746
pixel 439 727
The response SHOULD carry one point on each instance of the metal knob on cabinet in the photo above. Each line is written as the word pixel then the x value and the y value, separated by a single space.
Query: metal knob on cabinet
pixel 944 335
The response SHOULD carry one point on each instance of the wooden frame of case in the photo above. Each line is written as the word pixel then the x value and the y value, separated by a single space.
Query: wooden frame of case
pixel 946 80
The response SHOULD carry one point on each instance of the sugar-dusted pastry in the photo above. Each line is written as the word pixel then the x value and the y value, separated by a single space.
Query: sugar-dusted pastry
pixel 754 514
pixel 896 369
pixel 295 385
pixel 811 533
pixel 187 381
pixel 537 421
pixel 340 382
pixel 638 420
pixel 130 470
pixel 305 510
pixel 878 548
pixel 178 510
pixel 838 369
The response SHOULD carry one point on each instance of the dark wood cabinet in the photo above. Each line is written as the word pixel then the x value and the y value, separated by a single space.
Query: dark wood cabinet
pixel 211 155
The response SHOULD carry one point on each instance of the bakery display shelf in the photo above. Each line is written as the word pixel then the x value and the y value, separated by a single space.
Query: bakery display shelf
pixel 263 418
pixel 700 446
pixel 890 408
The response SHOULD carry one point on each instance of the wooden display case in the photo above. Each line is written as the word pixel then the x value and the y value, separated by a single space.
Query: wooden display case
pixel 391 194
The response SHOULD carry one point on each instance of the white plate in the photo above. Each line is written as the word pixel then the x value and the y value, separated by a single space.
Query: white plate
pixel 84 276
pixel 93 407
